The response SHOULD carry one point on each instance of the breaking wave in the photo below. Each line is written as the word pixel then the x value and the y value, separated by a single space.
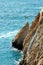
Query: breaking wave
pixel 8 34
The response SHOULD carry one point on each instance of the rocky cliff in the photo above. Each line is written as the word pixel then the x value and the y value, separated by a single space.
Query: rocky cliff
pixel 18 40
pixel 33 50
pixel 30 40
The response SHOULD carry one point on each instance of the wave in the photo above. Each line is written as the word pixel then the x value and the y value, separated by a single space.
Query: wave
pixel 15 49
pixel 8 34
pixel 16 62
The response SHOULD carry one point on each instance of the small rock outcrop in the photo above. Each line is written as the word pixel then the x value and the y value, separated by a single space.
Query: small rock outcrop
pixel 33 43
pixel 18 40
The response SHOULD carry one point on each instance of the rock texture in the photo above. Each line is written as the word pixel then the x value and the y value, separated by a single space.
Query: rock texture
pixel 30 40
pixel 18 40
pixel 32 30
pixel 33 43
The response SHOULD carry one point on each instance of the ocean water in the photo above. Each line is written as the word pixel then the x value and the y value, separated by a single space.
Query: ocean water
pixel 12 19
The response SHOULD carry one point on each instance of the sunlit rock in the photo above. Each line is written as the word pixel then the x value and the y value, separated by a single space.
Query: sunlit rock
pixel 40 62
pixel 33 43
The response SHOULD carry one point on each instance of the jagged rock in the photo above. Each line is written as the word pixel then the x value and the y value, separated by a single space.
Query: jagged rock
pixel 18 41
pixel 33 50
pixel 31 30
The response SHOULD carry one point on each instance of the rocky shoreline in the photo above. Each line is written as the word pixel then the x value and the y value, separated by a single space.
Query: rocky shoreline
pixel 30 41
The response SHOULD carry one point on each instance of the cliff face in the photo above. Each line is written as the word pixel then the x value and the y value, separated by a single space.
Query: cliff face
pixel 33 43
pixel 18 41
pixel 32 30
pixel 30 40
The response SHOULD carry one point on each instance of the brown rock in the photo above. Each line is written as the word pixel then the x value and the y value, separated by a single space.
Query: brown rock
pixel 33 43
pixel 31 30
pixel 18 41
pixel 40 62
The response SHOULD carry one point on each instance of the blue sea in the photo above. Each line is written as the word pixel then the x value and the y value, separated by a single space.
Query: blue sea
pixel 12 19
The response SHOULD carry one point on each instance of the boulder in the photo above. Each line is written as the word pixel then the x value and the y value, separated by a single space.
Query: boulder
pixel 18 40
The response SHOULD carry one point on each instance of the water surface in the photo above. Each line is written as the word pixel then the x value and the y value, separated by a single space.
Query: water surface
pixel 12 19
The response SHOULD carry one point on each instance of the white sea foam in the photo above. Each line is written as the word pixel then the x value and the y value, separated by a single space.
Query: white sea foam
pixel 15 49
pixel 16 62
pixel 8 34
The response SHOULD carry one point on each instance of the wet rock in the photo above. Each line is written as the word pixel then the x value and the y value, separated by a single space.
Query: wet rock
pixel 18 40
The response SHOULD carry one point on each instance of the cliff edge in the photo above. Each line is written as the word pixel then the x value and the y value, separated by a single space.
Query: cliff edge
pixel 30 41
pixel 33 50
pixel 19 38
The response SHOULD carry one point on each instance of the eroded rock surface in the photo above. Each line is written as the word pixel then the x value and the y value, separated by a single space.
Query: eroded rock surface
pixel 33 50
pixel 30 40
